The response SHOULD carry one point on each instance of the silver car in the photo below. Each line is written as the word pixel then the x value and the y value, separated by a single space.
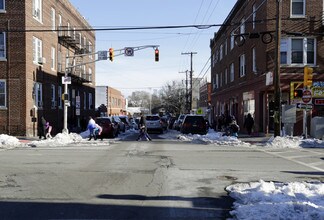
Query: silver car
pixel 153 123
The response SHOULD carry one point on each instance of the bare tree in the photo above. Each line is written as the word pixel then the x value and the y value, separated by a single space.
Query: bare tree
pixel 173 97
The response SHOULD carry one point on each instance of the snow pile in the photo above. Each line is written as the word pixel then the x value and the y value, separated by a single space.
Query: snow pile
pixel 211 137
pixel 60 139
pixel 7 141
pixel 269 200
pixel 293 142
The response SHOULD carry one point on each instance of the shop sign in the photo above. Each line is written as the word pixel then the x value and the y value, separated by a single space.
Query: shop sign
pixel 318 92
pixel 319 101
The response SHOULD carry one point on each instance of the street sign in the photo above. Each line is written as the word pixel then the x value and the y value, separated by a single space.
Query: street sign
pixel 307 96
pixel 66 80
pixel 129 51
pixel 103 55
pixel 304 106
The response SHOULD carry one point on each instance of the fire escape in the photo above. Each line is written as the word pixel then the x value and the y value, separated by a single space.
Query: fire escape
pixel 74 64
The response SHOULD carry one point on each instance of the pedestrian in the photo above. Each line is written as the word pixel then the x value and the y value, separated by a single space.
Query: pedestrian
pixel 94 129
pixel 234 128
pixel 249 123
pixel 42 128
pixel 143 130
pixel 48 130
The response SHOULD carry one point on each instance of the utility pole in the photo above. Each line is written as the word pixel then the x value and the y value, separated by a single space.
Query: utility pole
pixel 191 73
pixel 277 90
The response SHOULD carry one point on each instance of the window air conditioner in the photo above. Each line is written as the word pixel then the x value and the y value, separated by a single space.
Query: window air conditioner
pixel 41 60
pixel 36 12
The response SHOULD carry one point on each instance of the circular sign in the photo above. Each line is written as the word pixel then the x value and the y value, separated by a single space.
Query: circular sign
pixel 129 51
pixel 307 96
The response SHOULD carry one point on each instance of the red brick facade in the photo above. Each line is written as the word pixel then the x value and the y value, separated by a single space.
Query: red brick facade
pixel 246 91
pixel 30 28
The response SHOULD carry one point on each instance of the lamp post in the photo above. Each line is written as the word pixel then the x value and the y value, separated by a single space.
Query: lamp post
pixel 277 91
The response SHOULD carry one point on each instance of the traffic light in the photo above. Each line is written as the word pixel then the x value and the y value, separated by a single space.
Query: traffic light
pixel 111 54
pixel 308 77
pixel 298 93
pixel 157 55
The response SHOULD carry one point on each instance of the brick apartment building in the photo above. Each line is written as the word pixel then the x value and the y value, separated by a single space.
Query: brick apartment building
pixel 112 99
pixel 242 65
pixel 38 40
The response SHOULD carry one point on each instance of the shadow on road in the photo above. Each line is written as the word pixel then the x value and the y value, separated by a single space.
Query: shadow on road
pixel 202 208
pixel 305 173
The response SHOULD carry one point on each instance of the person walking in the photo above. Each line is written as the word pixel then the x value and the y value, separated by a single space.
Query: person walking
pixel 94 129
pixel 42 128
pixel 143 131
pixel 249 123
pixel 48 130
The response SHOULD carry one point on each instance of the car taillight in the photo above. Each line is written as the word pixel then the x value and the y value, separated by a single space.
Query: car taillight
pixel 185 125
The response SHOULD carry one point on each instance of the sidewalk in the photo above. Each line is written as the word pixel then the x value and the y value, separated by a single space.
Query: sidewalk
pixel 26 140
pixel 260 138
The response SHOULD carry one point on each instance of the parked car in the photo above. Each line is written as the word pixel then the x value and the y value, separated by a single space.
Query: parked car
pixel 153 123
pixel 194 124
pixel 121 125
pixel 133 124
pixel 178 122
pixel 124 119
pixel 109 129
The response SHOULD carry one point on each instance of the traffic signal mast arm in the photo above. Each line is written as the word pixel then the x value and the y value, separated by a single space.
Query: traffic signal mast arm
pixel 119 52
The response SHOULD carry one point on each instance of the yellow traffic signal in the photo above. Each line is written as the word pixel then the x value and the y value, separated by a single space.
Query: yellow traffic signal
pixel 157 55
pixel 111 54
pixel 308 77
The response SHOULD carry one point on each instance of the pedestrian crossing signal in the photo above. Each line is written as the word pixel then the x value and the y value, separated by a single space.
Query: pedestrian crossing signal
pixel 298 93
pixel 157 55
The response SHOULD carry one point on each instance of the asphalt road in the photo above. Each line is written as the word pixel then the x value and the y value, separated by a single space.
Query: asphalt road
pixel 162 179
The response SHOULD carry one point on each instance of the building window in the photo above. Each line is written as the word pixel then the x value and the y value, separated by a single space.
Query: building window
pixel 297 8
pixel 90 101
pixel 53 52
pixel 69 29
pixel 53 19
pixel 225 47
pixel 59 98
pixel 90 75
pixel 232 40
pixel 217 81
pixel 2 45
pixel 38 94
pixel 37 10
pixel 254 67
pixel 90 49
pixel 2 5
pixel 226 76
pixel 3 90
pixel 300 51
pixel 220 79
pixel 242 65
pixel 232 72
pixel 53 96
pixel 242 28
pixel 37 50
pixel 253 16
pixel 221 52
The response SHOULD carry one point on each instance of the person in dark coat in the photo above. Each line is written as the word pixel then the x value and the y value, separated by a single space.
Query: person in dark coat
pixel 42 128
pixel 249 123
pixel 143 130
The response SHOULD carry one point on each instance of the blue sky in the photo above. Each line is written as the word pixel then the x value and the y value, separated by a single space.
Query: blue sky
pixel 141 72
